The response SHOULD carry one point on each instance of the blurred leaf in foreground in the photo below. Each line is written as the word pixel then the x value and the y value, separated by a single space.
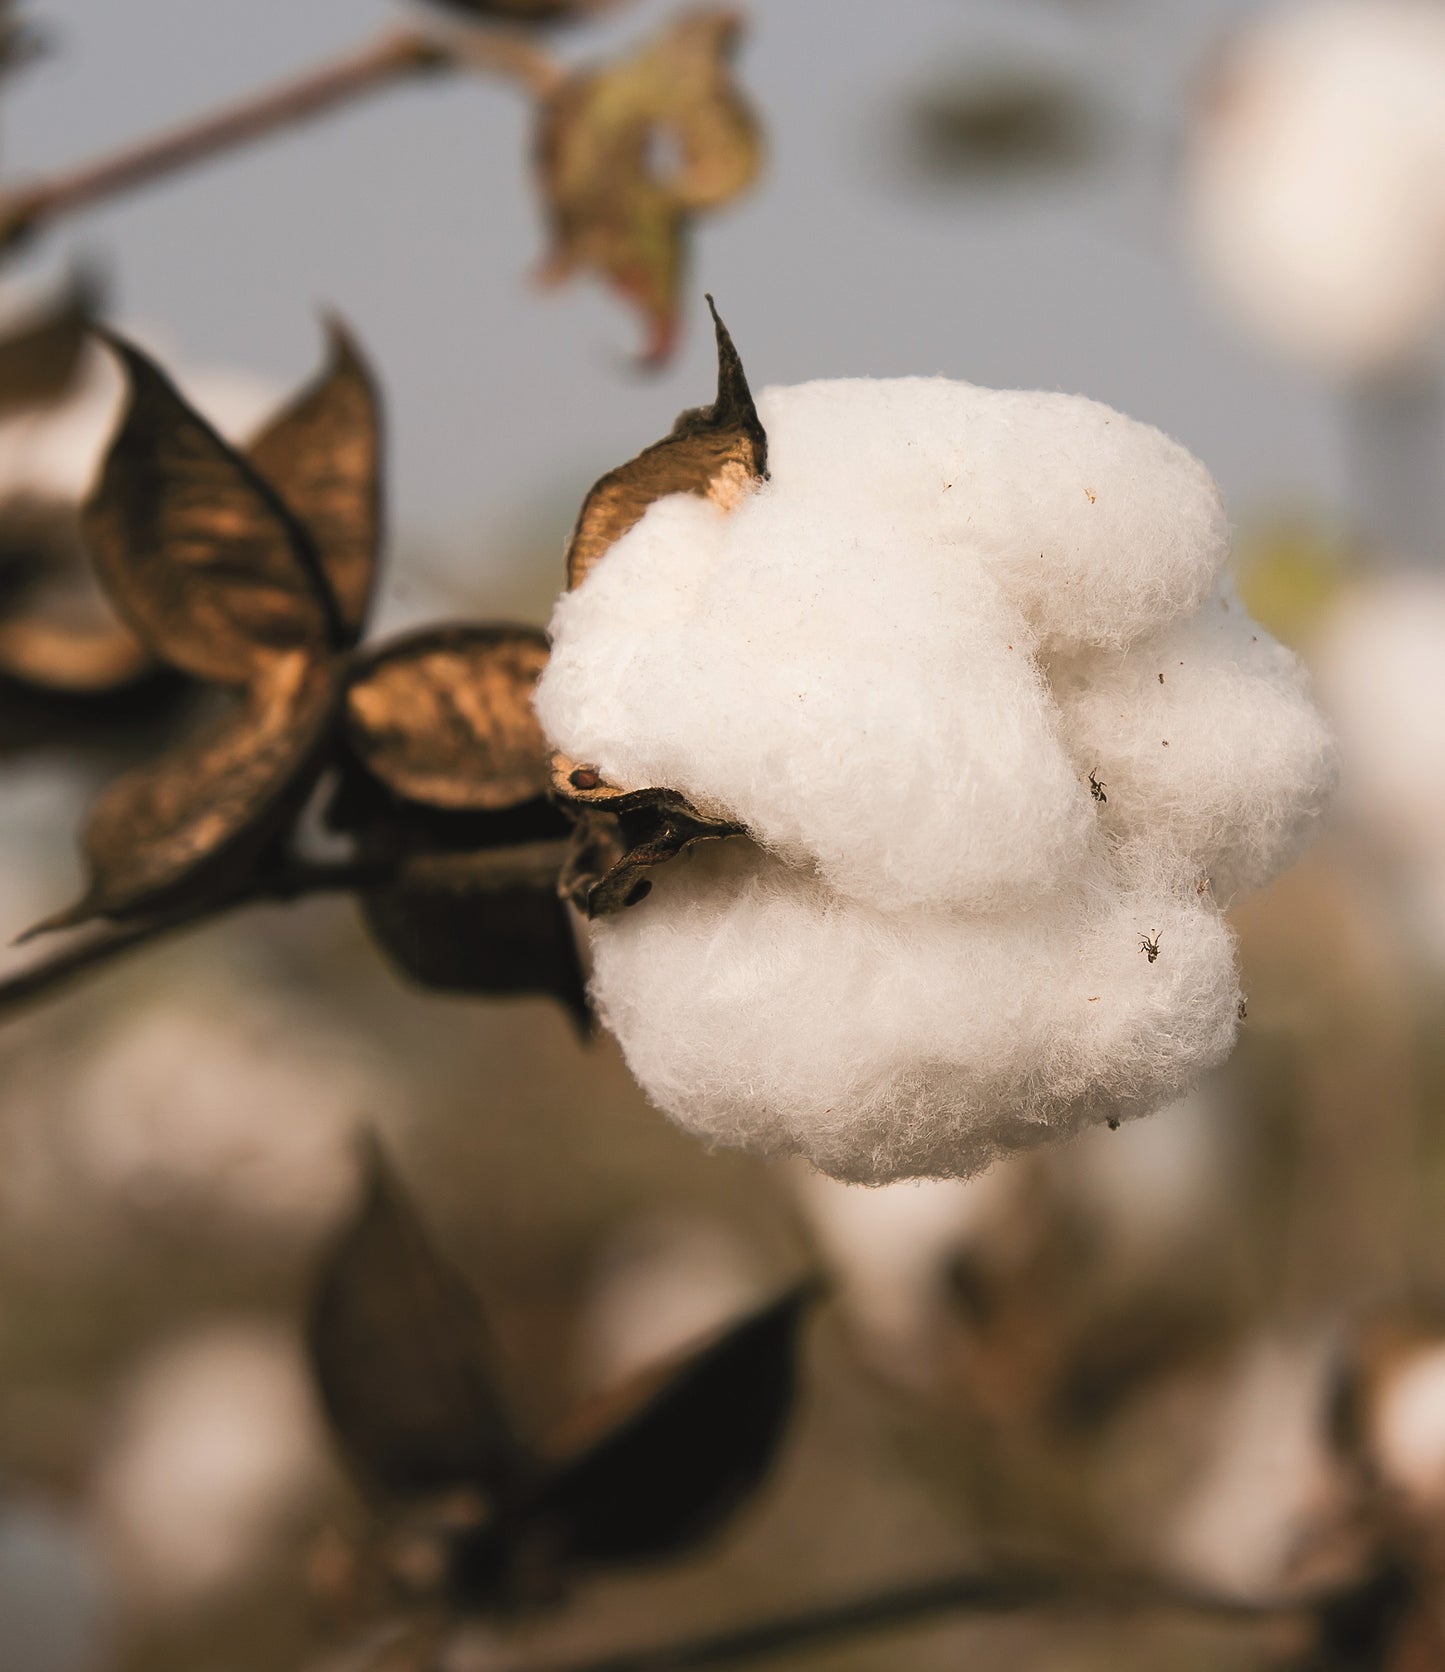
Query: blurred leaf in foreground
pixel 630 153
pixel 401 1354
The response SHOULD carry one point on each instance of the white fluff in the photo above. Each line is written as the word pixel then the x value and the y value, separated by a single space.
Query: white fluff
pixel 933 952
pixel 1316 183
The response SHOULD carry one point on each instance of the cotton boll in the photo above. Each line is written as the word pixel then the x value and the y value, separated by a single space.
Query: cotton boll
pixel 1316 181
pixel 758 1008
pixel 1269 1480
pixel 890 1251
pixel 217 1453
pixel 895 664
pixel 1207 741
pixel 1408 1429
pixel 892 729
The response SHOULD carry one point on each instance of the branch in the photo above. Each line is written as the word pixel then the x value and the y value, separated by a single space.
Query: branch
pixel 95 951
pixel 395 57
pixel 988 1594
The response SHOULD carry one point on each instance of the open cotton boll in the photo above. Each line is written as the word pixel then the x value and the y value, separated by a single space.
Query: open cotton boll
pixel 1316 180
pixel 1208 741
pixel 918 666
pixel 763 1010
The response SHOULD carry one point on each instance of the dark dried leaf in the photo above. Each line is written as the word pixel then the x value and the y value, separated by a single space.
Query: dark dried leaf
pixel 191 825
pixel 483 922
pixel 323 456
pixel 39 358
pixel 19 43
pixel 669 1458
pixel 718 451
pixel 443 717
pixel 615 205
pixel 403 1358
pixel 196 549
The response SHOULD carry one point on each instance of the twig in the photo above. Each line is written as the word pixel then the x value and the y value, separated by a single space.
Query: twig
pixel 394 57
pixel 104 946
pixel 1001 1593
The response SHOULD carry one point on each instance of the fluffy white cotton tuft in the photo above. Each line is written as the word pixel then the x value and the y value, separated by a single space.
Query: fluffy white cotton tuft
pixel 1316 184
pixel 897 664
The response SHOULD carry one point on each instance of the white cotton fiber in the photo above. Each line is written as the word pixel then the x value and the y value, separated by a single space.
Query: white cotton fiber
pixel 1316 182
pixel 931 951
pixel 1166 725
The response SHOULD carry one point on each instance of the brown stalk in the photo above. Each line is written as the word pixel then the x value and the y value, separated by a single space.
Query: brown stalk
pixel 394 57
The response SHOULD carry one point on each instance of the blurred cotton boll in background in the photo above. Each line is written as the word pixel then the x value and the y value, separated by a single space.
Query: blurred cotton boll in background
pixel 224 1112
pixel 1315 186
pixel 215 1461
pixel 1380 663
pixel 967 671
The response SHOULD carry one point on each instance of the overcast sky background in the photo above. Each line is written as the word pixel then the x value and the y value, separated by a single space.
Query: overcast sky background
pixel 414 215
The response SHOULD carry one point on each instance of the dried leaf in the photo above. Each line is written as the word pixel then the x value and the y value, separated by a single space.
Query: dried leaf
pixel 323 456
pixel 40 357
pixel 196 549
pixel 617 206
pixel 192 824
pixel 19 43
pixel 718 451
pixel 483 922
pixel 403 1358
pixel 668 1460
pixel 443 717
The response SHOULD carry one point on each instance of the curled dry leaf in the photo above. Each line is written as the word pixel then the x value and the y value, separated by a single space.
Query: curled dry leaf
pixel 607 864
pixel 443 717
pixel 192 824
pixel 403 1358
pixel 322 455
pixel 718 451
pixel 40 356
pixel 656 1467
pixel 629 153
pixel 196 549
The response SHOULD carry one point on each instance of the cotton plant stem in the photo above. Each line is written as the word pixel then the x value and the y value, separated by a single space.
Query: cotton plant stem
pixel 1020 1591
pixel 396 56
pixel 100 948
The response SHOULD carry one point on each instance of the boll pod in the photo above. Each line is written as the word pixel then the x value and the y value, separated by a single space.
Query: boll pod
pixel 915 743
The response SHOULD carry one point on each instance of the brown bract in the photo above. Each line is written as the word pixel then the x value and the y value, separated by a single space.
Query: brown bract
pixel 720 452
pixel 322 455
pixel 629 153
pixel 198 551
pixel 221 578
pixel 443 717
pixel 192 823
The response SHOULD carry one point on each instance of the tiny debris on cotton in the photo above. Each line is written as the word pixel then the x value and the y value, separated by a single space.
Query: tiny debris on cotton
pixel 919 664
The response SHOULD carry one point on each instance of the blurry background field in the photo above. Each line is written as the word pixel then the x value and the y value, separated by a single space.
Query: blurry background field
pixel 1121 1350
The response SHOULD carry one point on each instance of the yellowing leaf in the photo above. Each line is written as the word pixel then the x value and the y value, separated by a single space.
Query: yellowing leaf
pixel 628 154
